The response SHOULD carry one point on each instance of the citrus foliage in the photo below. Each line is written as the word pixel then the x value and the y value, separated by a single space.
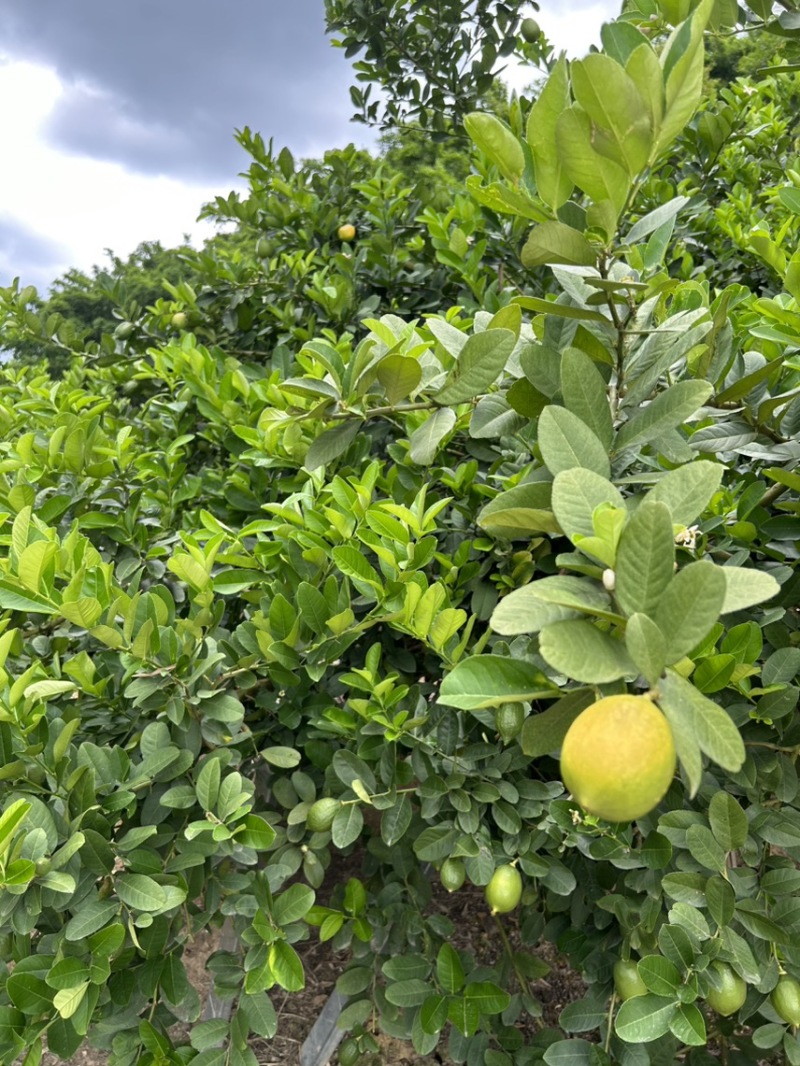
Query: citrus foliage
pixel 283 564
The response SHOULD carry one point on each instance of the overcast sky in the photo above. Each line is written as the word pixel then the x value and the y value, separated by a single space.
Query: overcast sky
pixel 117 116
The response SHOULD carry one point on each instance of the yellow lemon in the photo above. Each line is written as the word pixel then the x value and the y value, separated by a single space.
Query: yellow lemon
pixel 618 758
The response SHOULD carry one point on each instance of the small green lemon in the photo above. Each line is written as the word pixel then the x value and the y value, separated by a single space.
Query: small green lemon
pixel 530 30
pixel 452 874
pixel 504 891
pixel 508 719
pixel 727 999
pixel 785 999
pixel 180 320
pixel 618 758
pixel 321 814
pixel 627 981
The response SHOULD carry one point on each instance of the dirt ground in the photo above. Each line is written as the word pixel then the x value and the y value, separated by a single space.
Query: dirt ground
pixel 297 1012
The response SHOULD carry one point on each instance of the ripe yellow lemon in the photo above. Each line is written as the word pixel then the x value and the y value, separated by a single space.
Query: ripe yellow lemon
pixel 347 232
pixel 618 758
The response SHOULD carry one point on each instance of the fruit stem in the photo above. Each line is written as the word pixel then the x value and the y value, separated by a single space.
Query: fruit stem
pixel 521 978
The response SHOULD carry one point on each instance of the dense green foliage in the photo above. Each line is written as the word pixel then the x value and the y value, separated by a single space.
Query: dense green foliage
pixel 288 552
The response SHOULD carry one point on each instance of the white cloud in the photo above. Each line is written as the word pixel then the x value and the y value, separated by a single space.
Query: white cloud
pixel 81 204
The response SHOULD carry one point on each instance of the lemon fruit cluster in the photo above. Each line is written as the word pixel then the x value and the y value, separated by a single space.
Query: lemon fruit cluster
pixel 618 758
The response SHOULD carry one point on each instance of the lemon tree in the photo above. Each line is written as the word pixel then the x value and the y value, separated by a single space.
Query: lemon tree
pixel 484 566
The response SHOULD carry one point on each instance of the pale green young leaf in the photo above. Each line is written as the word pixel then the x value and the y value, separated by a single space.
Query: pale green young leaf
pixel 480 362
pixel 400 375
pixel 566 442
pixel 599 177
pixel 745 587
pixel 577 493
pixel 581 651
pixel 690 606
pixel 552 183
pixel 688 490
pixel 555 242
pixel 424 441
pixel 585 395
pixel 496 140
pixel 645 557
pixel 611 99
pixel 713 727
pixel 491 680
pixel 519 512
pixel 646 646
pixel 670 409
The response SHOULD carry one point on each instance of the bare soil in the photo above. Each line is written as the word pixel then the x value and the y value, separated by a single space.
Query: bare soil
pixel 475 932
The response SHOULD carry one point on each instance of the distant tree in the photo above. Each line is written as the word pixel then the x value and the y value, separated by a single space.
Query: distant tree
pixel 431 63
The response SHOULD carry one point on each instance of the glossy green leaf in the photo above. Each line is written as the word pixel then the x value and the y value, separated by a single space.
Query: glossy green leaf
pixel 491 680
pixel 581 651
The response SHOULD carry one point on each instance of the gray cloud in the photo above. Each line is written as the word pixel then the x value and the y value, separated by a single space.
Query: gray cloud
pixel 160 87
pixel 29 256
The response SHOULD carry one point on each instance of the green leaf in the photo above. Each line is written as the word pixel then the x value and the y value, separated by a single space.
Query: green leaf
pixel 645 558
pixel 667 411
pixel 728 821
pixel 332 443
pixel 490 680
pixel 543 733
pixel 551 599
pixel 488 998
pixel 449 971
pixel 656 218
pixel 495 140
pixel 576 495
pixel 660 975
pixel 424 441
pixel 582 652
pixel 29 993
pixel 644 1018
pixel 433 1013
pixel 611 99
pixel 90 918
pixel 689 1025
pixel 411 993
pixel 687 491
pixel 681 721
pixel 140 892
pixel 552 183
pixel 567 442
pixel 396 820
pixel 255 832
pixel 520 512
pixel 572 1052
pixel 683 63
pixel 293 904
pixel 347 826
pixel 745 587
pixel 10 821
pixel 400 375
pixel 599 177
pixel 646 646
pixel 690 607
pixel 584 392
pixel 480 362
pixel 12 598
pixel 555 242
pixel 287 969
pixel 704 848
pixel 713 728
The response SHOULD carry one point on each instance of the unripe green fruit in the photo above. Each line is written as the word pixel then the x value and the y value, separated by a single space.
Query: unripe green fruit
pixel 730 997
pixel 627 981
pixel 452 874
pixel 43 866
pixel 504 891
pixel 785 999
pixel 124 330
pixel 262 248
pixel 349 1052
pixel 320 816
pixel 347 232
pixel 508 719
pixel 180 320
pixel 530 30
